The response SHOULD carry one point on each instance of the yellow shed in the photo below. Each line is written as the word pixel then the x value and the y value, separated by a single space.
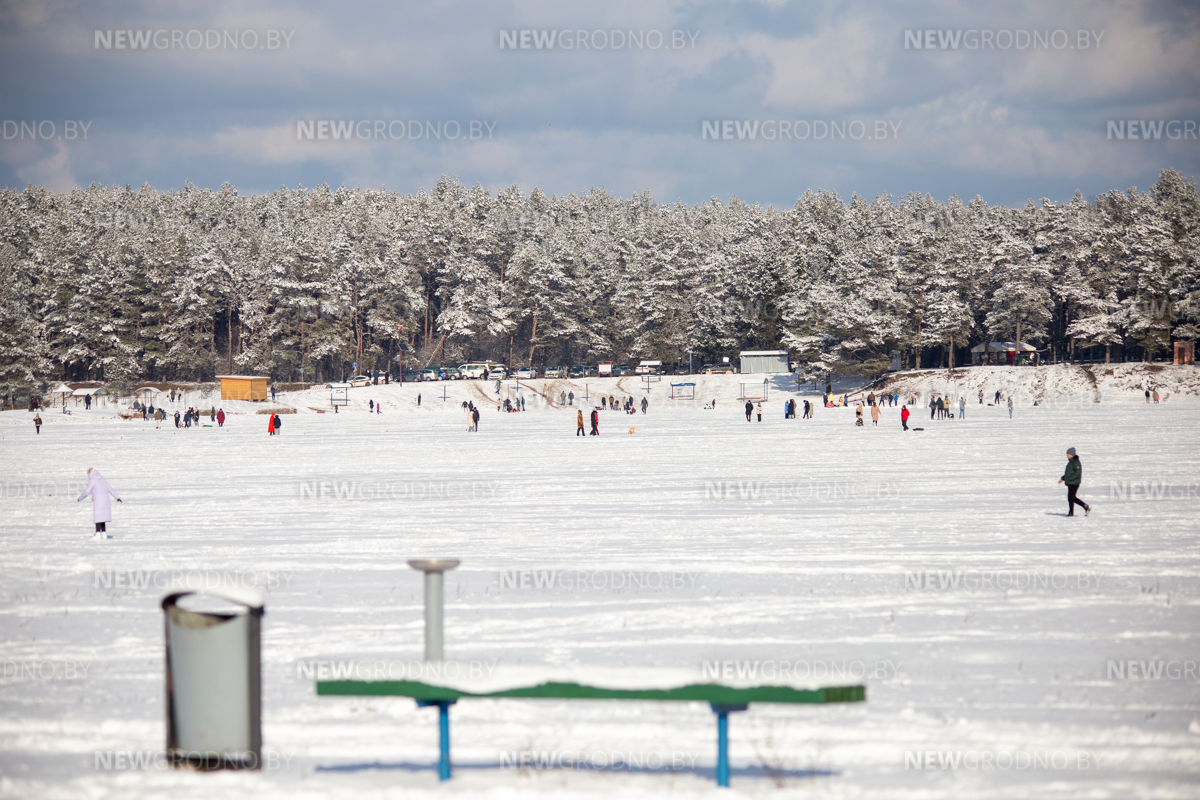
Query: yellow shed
pixel 243 387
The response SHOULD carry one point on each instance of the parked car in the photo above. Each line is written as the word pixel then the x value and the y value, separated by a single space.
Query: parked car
pixel 430 374
pixel 452 373
pixel 473 370
pixel 719 369
pixel 410 375
pixel 556 372
pixel 580 371
pixel 621 370
pixel 526 373
pixel 497 374
pixel 359 380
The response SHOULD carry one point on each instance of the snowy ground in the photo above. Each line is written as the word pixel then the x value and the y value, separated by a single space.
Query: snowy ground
pixel 807 545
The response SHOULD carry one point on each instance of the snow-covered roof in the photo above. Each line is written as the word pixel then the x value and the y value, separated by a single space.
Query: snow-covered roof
pixel 763 353
pixel 62 389
pixel 246 377
pixel 93 391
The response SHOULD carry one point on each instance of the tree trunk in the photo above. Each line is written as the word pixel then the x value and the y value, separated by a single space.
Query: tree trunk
pixel 435 351
pixel 532 339
pixel 951 351
pixel 917 348
pixel 1017 355
pixel 1107 352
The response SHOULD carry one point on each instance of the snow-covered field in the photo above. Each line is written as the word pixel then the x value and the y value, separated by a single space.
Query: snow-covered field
pixel 935 567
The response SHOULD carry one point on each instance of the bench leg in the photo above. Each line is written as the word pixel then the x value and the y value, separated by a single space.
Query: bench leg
pixel 722 712
pixel 443 707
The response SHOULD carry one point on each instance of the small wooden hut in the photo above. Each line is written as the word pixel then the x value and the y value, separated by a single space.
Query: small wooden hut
pixel 244 387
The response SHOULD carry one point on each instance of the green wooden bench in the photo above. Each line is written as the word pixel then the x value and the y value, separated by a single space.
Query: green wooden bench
pixel 723 700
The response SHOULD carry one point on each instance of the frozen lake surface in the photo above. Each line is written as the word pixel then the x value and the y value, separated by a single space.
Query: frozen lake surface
pixel 1007 651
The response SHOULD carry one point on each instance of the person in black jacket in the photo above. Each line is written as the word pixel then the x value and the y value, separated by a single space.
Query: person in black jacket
pixel 1072 477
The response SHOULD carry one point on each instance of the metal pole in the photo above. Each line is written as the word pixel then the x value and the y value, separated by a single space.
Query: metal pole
pixel 433 616
pixel 433 569
pixel 722 711
pixel 443 739
pixel 722 748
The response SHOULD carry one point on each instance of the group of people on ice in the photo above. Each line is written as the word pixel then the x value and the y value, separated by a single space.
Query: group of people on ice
pixel 472 416
pixel 595 419
pixel 942 407
pixel 192 417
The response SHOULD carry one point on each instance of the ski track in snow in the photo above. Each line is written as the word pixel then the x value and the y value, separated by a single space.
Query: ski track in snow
pixel 815 553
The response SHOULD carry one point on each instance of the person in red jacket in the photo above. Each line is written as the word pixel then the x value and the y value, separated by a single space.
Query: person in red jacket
pixel 271 424
pixel 904 417
pixel 220 418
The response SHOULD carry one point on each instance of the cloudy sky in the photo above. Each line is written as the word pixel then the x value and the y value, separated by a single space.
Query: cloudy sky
pixel 686 100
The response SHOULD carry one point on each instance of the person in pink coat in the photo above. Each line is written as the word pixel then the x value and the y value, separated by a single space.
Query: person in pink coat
pixel 99 490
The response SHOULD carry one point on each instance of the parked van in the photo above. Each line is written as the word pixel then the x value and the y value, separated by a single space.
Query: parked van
pixel 474 370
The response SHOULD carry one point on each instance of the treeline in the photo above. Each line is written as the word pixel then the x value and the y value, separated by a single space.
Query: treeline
pixel 108 283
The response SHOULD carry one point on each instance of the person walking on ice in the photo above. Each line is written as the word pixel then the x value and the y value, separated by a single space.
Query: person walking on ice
pixel 579 423
pixel 962 407
pixel 904 417
pixel 1010 406
pixel 1072 477
pixel 37 424
pixel 645 405
pixel 875 415
pixel 749 410
pixel 758 408
pixel 99 490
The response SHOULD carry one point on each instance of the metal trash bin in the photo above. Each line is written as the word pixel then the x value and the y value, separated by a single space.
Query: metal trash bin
pixel 214 685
